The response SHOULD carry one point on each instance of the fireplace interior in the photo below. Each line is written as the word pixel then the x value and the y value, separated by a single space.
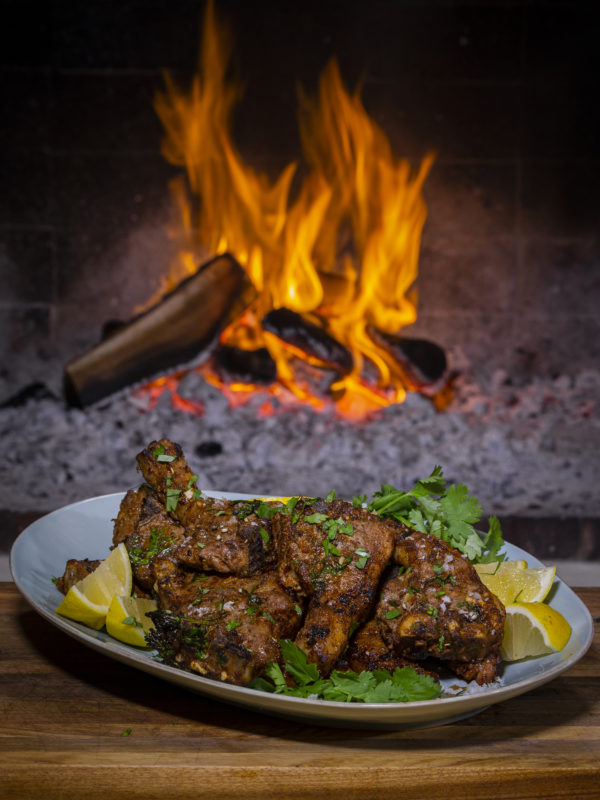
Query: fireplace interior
pixel 501 94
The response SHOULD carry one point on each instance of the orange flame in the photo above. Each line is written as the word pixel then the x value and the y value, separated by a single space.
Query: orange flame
pixel 289 243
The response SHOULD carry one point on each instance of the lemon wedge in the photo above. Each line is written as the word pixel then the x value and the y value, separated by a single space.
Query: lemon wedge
pixel 515 582
pixel 273 499
pixel 533 629
pixel 75 605
pixel 88 600
pixel 127 621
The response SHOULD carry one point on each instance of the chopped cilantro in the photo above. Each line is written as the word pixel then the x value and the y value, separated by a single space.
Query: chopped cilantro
pixel 133 622
pixel 158 542
pixel 265 511
pixel 264 536
pixel 363 557
pixel 359 500
pixel 315 519
pixel 335 526
pixel 290 505
pixel 172 498
pixel 380 686
pixel 161 456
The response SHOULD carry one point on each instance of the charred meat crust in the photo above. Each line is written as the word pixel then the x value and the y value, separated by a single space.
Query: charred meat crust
pixel 332 554
pixel 368 651
pixel 227 628
pixel 219 537
pixel 437 606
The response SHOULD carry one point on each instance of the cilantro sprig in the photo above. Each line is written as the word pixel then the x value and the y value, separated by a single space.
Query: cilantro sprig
pixel 380 686
pixel 447 512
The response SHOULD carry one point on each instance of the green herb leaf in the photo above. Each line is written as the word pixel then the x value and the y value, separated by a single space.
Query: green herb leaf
pixel 380 686
pixel 296 664
pixel 265 511
pixel 291 504
pixel 363 557
pixel 316 518
pixel 133 622
pixel 493 542
pixel 446 512
pixel 172 498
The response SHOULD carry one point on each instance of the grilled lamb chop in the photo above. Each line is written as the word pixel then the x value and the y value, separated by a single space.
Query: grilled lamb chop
pixel 130 511
pixel 226 628
pixel 221 535
pixel 437 606
pixel 154 535
pixel 332 554
pixel 368 651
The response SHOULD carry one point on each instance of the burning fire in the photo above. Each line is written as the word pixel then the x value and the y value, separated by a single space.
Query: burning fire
pixel 341 249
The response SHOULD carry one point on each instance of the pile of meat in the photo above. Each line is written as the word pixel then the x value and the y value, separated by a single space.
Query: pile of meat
pixel 353 591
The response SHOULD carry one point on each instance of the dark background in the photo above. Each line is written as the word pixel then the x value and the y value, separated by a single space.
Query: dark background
pixel 505 92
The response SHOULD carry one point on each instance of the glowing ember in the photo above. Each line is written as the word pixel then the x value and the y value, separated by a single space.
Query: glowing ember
pixel 289 243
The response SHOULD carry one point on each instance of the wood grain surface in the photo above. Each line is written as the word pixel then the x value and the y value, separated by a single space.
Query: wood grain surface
pixel 76 724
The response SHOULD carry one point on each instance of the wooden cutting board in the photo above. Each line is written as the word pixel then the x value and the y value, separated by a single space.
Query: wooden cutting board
pixel 75 724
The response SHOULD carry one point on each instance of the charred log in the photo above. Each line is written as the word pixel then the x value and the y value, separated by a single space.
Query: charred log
pixel 246 366
pixel 309 338
pixel 173 331
pixel 423 363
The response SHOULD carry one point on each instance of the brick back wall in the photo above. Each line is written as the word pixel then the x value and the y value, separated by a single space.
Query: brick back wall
pixel 504 92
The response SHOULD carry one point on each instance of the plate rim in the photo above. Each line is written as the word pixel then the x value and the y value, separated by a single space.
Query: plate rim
pixel 411 714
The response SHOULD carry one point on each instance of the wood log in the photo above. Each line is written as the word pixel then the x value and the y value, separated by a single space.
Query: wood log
pixel 170 333
pixel 309 338
pixel 246 366
pixel 423 363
